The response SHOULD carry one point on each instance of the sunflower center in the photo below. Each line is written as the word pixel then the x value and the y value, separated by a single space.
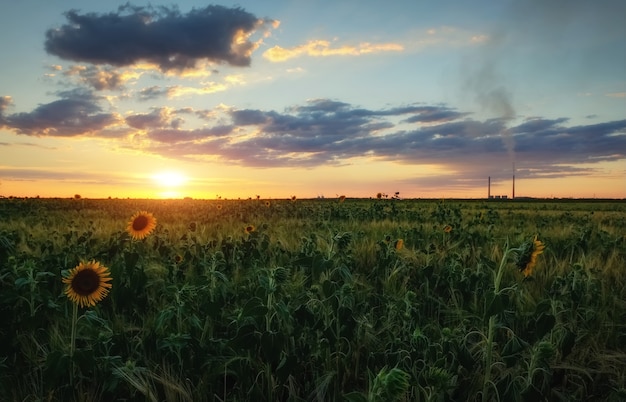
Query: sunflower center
pixel 140 222
pixel 85 282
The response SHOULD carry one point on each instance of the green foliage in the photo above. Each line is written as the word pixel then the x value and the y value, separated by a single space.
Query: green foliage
pixel 318 302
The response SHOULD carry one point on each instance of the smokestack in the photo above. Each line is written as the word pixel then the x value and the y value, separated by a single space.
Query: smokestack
pixel 489 188
pixel 513 197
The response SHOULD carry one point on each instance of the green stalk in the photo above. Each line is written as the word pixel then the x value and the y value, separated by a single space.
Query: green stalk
pixel 73 341
pixel 492 327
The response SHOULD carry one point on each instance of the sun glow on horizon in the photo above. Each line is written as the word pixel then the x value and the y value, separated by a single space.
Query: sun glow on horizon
pixel 169 179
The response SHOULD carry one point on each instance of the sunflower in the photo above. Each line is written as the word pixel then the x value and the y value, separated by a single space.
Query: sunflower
pixel 399 244
pixel 342 198
pixel 87 283
pixel 379 195
pixel 178 259
pixel 293 198
pixel 219 207
pixel 141 224
pixel 249 229
pixel 447 229
pixel 527 256
pixel 267 204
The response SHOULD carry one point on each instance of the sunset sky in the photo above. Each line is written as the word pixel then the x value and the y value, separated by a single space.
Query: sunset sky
pixel 312 98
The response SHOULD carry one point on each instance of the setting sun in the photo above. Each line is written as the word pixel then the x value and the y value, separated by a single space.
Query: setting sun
pixel 169 179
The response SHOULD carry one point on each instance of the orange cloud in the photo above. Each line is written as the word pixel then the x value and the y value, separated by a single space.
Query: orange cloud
pixel 322 48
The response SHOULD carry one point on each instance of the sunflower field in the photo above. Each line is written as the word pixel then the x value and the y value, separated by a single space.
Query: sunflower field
pixel 312 300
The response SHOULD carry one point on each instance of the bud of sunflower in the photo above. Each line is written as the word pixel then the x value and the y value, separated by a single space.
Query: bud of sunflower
pixel 281 274
pixel 526 257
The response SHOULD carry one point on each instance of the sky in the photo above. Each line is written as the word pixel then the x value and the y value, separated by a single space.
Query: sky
pixel 313 98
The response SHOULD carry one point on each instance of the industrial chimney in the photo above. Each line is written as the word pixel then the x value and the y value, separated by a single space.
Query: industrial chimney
pixel 513 197
pixel 489 187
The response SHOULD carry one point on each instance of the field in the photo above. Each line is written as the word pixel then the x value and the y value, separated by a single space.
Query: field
pixel 315 300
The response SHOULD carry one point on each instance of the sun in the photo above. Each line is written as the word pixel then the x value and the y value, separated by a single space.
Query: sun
pixel 169 179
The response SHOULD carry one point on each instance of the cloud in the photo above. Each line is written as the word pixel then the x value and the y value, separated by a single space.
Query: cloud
pixel 153 92
pixel 5 102
pixel 431 114
pixel 176 91
pixel 24 144
pixel 159 117
pixel 172 136
pixel 414 41
pixel 164 36
pixel 76 113
pixel 326 132
pixel 617 94
pixel 323 48
pixel 100 78
pixel 68 176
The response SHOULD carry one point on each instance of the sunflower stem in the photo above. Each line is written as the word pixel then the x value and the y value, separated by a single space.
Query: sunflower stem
pixel 492 326
pixel 73 341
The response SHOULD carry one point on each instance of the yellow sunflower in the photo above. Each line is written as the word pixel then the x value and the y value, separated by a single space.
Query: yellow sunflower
pixel 293 198
pixel 447 229
pixel 399 244
pixel 141 224
pixel 267 204
pixel 249 229
pixel 527 256
pixel 342 198
pixel 379 195
pixel 219 207
pixel 87 283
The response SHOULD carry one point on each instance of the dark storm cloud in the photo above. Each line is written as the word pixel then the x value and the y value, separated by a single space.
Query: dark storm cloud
pixel 76 113
pixel 164 36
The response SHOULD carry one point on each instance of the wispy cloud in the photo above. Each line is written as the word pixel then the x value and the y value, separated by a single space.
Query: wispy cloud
pixel 67 176
pixel 323 48
pixel 164 36
pixel 412 42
